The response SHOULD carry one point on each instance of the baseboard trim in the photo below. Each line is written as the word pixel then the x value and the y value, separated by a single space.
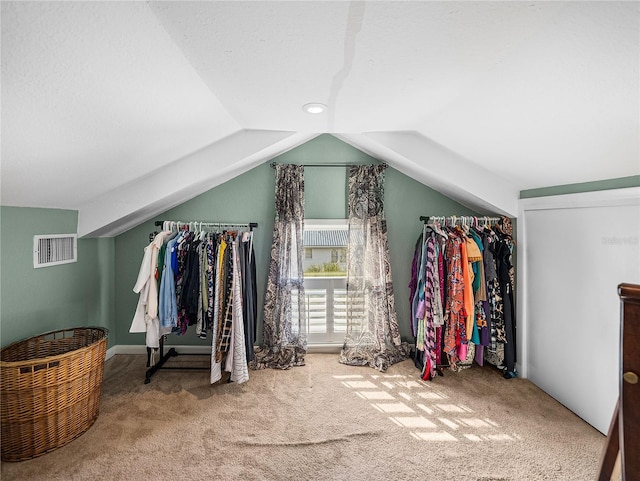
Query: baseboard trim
pixel 324 348
pixel 110 353
pixel 136 349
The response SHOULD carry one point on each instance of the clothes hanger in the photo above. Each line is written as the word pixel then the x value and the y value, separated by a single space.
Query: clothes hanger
pixel 465 225
pixel 437 227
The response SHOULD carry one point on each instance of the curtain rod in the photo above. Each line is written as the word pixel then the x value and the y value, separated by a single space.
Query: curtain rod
pixel 384 164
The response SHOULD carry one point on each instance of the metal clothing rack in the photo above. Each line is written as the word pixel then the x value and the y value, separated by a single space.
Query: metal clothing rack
pixel 454 220
pixel 164 357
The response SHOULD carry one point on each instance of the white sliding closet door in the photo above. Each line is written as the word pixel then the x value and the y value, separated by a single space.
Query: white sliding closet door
pixel 575 256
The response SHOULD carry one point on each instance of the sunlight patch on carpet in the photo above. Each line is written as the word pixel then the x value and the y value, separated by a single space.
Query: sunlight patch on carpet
pixel 473 422
pixel 393 408
pixel 360 384
pixel 425 408
pixel 376 389
pixel 375 395
pixel 411 385
pixel 450 424
pixel 413 422
pixel 432 395
pixel 499 437
pixel 437 436
pixel 451 408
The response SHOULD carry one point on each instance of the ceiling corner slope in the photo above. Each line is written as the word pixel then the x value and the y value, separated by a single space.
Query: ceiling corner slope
pixel 441 169
pixel 130 205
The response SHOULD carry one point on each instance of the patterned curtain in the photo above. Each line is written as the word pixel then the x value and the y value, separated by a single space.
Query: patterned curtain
pixel 285 323
pixel 373 336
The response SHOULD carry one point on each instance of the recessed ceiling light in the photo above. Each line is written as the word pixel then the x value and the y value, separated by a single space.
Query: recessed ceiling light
pixel 314 108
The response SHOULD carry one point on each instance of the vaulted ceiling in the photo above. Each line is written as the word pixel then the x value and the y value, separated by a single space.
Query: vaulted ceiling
pixel 121 110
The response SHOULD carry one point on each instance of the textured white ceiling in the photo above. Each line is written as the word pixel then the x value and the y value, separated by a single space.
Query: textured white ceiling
pixel 95 95
pixel 98 96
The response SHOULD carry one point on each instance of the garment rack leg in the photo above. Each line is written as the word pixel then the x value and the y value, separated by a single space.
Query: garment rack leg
pixel 163 358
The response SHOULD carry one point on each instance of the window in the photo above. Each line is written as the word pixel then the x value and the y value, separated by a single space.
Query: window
pixel 325 280
pixel 308 253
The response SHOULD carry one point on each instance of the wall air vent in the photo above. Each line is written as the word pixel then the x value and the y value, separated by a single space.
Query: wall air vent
pixel 54 249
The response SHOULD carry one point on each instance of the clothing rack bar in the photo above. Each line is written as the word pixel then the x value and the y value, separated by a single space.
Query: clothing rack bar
pixel 469 219
pixel 250 225
pixel 384 164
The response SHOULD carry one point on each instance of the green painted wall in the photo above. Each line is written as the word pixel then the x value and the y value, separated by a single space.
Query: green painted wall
pixel 325 188
pixel 246 198
pixel 608 184
pixel 33 301
pixel 405 201
pixel 250 198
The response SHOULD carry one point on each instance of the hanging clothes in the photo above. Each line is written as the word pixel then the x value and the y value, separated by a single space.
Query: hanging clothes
pixel 145 318
pixel 250 298
pixel 455 335
pixel 168 308
pixel 237 363
pixel 505 279
pixel 191 277
pixel 461 295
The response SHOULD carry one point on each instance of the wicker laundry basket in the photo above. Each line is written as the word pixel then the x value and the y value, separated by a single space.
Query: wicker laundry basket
pixel 50 390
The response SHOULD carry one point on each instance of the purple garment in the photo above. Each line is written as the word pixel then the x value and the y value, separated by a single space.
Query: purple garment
pixel 485 336
pixel 479 357
pixel 413 284
pixel 441 274
pixel 420 310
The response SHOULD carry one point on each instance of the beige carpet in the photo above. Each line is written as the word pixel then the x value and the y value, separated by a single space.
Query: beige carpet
pixel 323 421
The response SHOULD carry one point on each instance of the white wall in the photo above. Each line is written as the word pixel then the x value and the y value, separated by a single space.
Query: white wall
pixel 574 251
